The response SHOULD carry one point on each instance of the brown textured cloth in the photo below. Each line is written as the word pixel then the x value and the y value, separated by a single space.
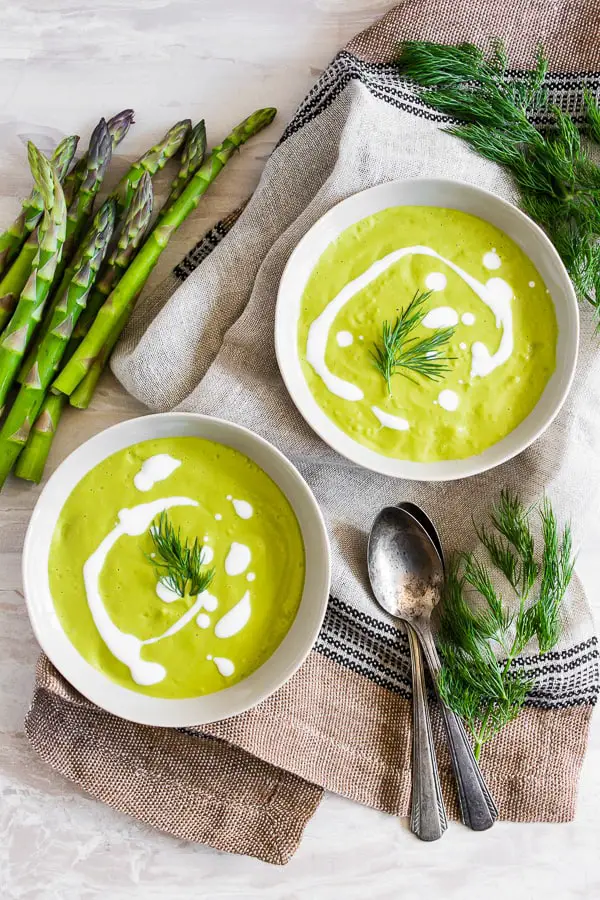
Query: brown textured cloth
pixel 251 783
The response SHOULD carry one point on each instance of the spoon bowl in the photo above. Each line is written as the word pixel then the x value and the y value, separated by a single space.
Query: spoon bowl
pixel 405 567
pixel 426 524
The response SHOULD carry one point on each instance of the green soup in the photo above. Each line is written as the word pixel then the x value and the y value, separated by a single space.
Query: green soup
pixel 502 352
pixel 112 600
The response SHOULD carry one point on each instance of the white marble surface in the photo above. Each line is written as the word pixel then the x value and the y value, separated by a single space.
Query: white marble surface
pixel 63 63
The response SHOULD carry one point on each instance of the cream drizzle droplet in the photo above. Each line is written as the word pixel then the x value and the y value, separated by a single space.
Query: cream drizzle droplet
pixel 344 338
pixel 467 318
pixel 238 559
pixel 448 400
pixel 390 421
pixel 492 260
pixel 225 666
pixel 209 601
pixel 155 469
pixel 165 593
pixel 441 317
pixel 436 281
pixel 243 509
pixel 203 621
pixel 234 620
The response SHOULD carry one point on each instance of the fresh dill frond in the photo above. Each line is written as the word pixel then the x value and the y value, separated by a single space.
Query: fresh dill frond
pixel 178 563
pixel 398 350
pixel 492 112
pixel 557 571
pixel 592 110
pixel 510 519
pixel 479 642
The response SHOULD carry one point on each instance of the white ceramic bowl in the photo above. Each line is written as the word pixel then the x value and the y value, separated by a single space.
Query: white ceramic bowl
pixel 453 195
pixel 92 683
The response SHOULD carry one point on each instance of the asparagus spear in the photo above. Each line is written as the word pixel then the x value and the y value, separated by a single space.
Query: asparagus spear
pixel 118 126
pixel 97 159
pixel 15 337
pixel 103 222
pixel 192 158
pixel 30 398
pixel 13 238
pixel 135 226
pixel 125 293
pixel 14 280
pixel 152 160
pixel 32 461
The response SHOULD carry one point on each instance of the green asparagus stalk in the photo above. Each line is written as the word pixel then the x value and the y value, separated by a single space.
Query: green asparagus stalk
pixel 14 280
pixel 51 235
pixel 97 159
pixel 135 224
pixel 135 227
pixel 15 235
pixel 29 400
pixel 127 290
pixel 192 158
pixel 32 461
pixel 103 222
pixel 118 126
pixel 83 393
pixel 152 161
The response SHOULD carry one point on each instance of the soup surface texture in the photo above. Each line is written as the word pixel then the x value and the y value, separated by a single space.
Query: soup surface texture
pixel 112 597
pixel 501 354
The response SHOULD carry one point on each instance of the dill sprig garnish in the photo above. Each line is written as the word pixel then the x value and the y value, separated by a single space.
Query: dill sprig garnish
pixel 177 562
pixel 558 181
pixel 479 642
pixel 398 349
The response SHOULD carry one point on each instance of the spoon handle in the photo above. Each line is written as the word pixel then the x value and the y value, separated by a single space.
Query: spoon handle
pixel 427 816
pixel 477 806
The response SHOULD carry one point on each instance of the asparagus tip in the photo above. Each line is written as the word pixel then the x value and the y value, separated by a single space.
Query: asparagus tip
pixel 119 124
pixel 42 173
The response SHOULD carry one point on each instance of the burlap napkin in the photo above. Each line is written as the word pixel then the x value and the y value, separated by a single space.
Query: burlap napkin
pixel 204 342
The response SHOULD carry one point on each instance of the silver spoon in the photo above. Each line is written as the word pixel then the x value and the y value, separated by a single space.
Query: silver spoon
pixel 425 522
pixel 407 576
pixel 428 815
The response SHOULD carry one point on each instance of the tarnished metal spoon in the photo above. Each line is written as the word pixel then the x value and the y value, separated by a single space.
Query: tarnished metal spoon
pixel 427 815
pixel 406 571
pixel 425 522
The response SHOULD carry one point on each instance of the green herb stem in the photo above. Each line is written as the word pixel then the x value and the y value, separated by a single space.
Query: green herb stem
pixel 178 563
pixel 486 692
pixel 400 351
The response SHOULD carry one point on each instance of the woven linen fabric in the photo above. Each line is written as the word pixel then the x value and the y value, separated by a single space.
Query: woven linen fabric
pixel 204 342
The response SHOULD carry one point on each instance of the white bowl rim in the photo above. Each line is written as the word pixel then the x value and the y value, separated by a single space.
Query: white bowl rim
pixel 287 355
pixel 163 712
